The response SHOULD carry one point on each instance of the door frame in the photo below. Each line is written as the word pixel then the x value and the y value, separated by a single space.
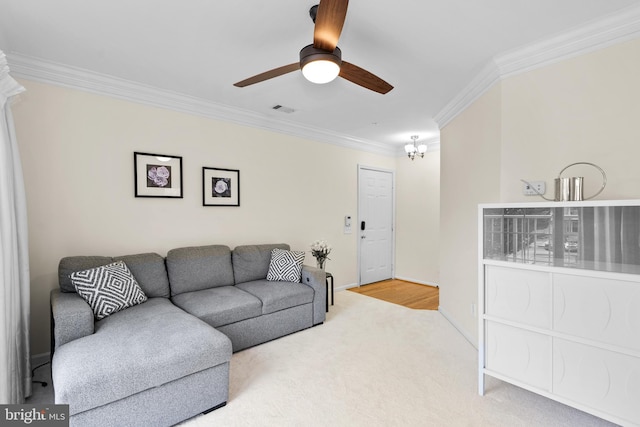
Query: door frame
pixel 393 218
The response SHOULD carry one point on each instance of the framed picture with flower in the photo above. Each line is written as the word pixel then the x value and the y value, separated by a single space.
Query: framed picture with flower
pixel 157 175
pixel 220 187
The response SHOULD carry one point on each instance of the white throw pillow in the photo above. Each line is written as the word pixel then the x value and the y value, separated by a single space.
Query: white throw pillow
pixel 108 289
pixel 285 266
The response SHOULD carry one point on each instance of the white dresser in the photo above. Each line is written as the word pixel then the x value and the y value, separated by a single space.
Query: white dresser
pixel 559 298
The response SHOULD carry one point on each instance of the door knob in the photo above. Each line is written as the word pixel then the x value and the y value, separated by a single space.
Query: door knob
pixel 363 237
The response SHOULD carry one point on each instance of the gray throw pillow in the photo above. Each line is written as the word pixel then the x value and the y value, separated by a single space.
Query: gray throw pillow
pixel 108 289
pixel 285 266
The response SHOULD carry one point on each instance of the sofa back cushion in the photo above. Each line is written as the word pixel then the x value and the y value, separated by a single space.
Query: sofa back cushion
pixel 251 262
pixel 150 273
pixel 148 269
pixel 199 267
pixel 72 264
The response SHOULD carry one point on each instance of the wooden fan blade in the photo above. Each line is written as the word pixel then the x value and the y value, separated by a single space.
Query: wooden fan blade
pixel 363 78
pixel 329 21
pixel 268 75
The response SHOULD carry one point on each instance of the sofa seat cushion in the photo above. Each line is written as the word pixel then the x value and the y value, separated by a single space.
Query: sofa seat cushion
pixel 220 306
pixel 145 346
pixel 276 296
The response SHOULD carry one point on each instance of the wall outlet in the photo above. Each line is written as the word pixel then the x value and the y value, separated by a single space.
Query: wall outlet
pixel 534 188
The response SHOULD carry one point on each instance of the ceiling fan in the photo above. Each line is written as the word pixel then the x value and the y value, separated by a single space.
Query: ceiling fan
pixel 321 62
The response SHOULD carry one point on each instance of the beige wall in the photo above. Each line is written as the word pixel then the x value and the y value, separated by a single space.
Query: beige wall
pixel 77 153
pixel 470 174
pixel 585 109
pixel 418 219
pixel 530 126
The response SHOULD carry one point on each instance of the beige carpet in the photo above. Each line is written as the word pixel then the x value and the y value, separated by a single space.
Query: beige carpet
pixel 375 363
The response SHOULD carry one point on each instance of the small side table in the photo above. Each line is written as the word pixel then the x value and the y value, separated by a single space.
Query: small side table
pixel 329 276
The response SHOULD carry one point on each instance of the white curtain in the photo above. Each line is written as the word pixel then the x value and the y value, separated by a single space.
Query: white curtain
pixel 15 366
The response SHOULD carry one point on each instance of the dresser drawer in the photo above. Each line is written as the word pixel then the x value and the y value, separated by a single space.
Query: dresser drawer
pixel 599 309
pixel 521 355
pixel 518 295
pixel 603 380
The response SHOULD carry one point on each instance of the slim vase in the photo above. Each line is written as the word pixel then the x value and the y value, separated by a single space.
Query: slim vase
pixel 320 263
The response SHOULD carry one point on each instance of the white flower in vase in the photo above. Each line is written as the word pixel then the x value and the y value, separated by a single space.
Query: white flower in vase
pixel 320 251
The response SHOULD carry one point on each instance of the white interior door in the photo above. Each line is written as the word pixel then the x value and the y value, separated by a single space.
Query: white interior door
pixel 375 225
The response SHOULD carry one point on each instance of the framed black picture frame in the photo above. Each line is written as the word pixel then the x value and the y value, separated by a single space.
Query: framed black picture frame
pixel 220 187
pixel 157 175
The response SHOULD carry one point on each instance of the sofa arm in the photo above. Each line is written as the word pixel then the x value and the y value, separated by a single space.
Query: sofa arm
pixel 71 318
pixel 317 279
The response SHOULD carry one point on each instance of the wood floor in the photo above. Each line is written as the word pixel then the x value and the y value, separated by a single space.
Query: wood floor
pixel 404 293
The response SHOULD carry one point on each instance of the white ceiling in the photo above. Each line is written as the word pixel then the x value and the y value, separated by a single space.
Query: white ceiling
pixel 428 50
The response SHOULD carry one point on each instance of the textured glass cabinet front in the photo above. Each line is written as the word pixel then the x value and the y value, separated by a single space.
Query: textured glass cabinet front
pixel 603 238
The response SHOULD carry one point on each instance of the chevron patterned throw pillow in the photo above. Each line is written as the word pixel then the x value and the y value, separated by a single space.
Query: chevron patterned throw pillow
pixel 285 266
pixel 108 289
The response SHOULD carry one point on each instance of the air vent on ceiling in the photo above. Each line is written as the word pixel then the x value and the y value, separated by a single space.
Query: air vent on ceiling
pixel 283 109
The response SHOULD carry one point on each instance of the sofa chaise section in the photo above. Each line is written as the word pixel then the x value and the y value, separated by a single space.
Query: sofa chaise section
pixel 150 364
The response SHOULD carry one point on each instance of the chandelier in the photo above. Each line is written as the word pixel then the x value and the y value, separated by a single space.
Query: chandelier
pixel 412 149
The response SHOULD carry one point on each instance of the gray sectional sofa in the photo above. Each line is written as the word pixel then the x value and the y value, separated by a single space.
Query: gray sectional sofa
pixel 167 359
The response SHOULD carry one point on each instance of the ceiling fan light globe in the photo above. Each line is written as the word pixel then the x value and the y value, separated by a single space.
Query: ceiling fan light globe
pixel 320 71
pixel 320 66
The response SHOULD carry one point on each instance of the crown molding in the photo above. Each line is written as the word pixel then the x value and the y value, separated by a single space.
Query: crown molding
pixel 598 34
pixel 482 82
pixel 48 72
pixel 618 27
pixel 433 146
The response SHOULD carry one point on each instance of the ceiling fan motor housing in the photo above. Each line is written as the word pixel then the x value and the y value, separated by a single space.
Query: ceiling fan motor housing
pixel 321 62
pixel 313 12
pixel 310 54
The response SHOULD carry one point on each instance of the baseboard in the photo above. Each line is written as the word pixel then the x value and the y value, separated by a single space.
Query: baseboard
pixel 355 285
pixel 419 282
pixel 345 287
pixel 451 320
